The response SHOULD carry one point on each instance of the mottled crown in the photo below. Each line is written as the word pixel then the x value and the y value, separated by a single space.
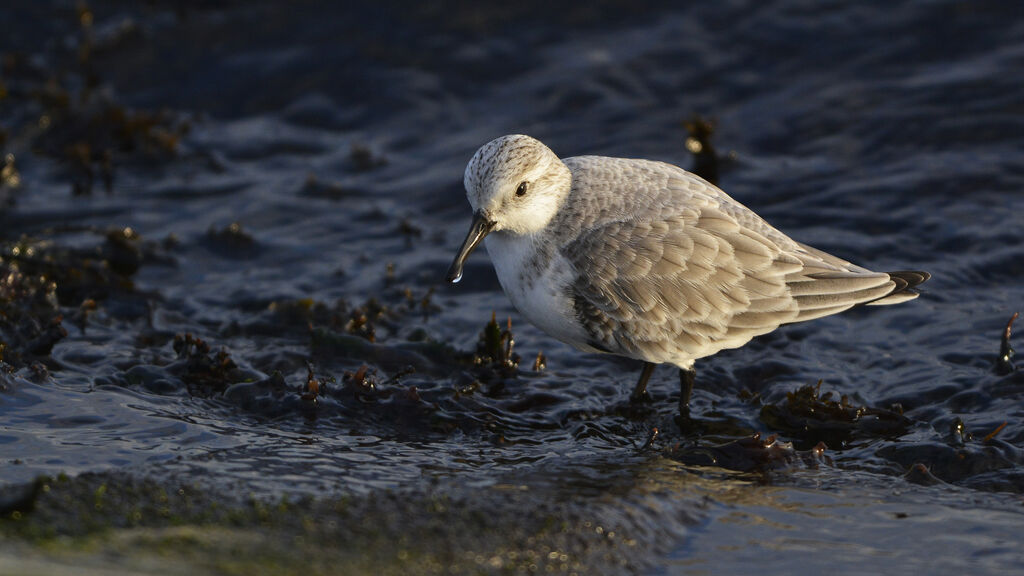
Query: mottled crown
pixel 501 164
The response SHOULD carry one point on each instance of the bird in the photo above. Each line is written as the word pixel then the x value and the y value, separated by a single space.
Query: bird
pixel 642 259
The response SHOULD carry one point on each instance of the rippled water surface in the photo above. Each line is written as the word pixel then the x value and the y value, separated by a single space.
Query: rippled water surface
pixel 223 235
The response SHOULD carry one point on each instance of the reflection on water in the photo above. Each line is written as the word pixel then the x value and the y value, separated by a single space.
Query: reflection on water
pixel 870 525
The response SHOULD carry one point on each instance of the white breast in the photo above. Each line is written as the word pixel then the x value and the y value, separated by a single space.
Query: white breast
pixel 542 299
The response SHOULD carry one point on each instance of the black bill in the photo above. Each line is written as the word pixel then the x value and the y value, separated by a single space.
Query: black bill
pixel 477 230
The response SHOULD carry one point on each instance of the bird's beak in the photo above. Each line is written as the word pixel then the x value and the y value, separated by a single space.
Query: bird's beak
pixel 477 230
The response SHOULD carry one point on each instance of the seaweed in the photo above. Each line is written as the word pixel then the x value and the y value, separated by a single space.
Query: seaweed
pixel 30 317
pixel 205 372
pixel 363 159
pixel 314 187
pixel 494 349
pixel 42 283
pixel 232 241
pixel 698 143
pixel 749 454
pixel 65 111
pixel 1004 363
pixel 10 178
pixel 93 273
pixel 409 231
pixel 992 435
pixel 313 387
pixel 374 317
pixel 814 417
pixel 651 437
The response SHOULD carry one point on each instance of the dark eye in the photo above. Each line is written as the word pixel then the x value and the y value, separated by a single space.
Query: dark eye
pixel 523 187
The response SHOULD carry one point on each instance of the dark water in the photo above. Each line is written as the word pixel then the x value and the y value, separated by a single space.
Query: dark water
pixel 284 184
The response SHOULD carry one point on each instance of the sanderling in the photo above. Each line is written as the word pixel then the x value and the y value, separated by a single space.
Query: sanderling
pixel 646 260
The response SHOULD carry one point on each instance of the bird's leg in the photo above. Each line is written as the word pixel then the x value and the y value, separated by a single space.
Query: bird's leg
pixel 686 378
pixel 640 391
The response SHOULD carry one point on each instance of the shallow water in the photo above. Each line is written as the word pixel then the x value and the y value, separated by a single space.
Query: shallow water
pixel 335 137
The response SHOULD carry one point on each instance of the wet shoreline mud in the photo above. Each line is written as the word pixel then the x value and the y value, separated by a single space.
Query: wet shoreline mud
pixel 227 346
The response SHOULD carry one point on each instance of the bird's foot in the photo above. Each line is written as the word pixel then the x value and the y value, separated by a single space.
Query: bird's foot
pixel 687 424
pixel 639 397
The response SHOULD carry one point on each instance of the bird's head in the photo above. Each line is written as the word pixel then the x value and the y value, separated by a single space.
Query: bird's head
pixel 515 185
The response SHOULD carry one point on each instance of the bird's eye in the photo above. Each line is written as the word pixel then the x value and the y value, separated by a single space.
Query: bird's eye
pixel 523 187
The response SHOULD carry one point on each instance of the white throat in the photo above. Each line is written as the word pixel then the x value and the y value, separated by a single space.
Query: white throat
pixel 538 290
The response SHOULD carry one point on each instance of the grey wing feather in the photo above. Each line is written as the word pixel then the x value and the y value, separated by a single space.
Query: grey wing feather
pixel 706 275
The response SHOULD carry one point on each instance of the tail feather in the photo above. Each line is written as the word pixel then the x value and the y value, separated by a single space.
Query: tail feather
pixel 906 281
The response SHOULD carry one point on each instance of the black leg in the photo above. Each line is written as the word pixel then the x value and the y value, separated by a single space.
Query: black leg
pixel 686 378
pixel 640 391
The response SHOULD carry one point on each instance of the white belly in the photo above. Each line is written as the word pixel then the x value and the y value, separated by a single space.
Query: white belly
pixel 543 299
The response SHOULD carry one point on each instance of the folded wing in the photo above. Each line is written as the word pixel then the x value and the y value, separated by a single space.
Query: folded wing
pixel 707 276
